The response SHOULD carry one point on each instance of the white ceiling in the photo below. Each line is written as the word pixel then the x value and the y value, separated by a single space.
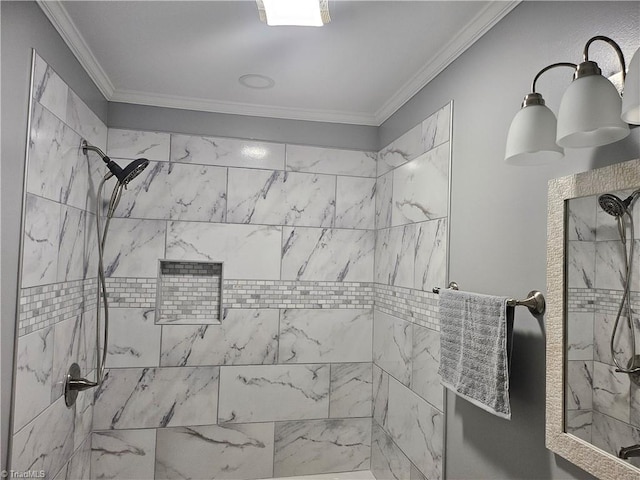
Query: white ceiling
pixel 359 69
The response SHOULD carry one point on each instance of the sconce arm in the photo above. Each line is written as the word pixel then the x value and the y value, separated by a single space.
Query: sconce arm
pixel 549 67
pixel 614 45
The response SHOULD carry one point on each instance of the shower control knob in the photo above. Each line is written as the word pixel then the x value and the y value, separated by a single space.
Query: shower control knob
pixel 75 384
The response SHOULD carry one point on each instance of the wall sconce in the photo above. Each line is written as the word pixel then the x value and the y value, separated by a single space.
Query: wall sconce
pixel 591 112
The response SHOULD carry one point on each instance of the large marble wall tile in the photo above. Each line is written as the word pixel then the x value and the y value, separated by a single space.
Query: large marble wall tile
pixel 325 335
pixel 416 474
pixel 351 387
pixel 417 428
pixel 420 188
pixel 327 254
pixel 134 339
pixel 227 452
pixel 157 397
pixel 436 128
pixel 132 144
pixel 80 463
pixel 281 198
pixel 57 169
pixel 227 152
pixel 123 454
pixel 49 89
pixel 273 393
pixel 425 380
pixel 602 330
pixel 301 158
pixel 610 434
pixel 431 254
pixel 355 202
pixel 248 251
pixel 609 265
pixel 134 247
pixel 34 365
pixel 380 395
pixel 611 392
pixel 71 250
pixel 85 123
pixel 581 219
pixel 41 242
pixel 90 264
pixel 384 192
pixel 634 408
pixel 580 336
pixel 387 460
pixel 245 336
pixel 72 344
pixel 579 385
pixel 322 446
pixel 174 191
pixel 392 345
pixel 395 256
pixel 84 417
pixel 581 264
pixel 46 443
pixel 400 151
pixel 579 423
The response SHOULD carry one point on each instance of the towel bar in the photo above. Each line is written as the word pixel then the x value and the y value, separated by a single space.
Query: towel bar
pixel 534 302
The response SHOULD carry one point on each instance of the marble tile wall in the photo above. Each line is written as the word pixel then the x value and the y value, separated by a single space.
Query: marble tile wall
pixel 412 194
pixel 56 324
pixel 300 350
pixel 602 404
pixel 289 366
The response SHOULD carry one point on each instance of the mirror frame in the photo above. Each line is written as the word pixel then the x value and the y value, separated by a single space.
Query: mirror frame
pixel 579 452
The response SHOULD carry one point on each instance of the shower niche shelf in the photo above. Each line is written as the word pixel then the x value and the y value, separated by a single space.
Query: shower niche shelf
pixel 189 292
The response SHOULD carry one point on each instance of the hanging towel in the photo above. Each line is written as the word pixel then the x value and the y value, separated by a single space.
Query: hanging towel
pixel 475 339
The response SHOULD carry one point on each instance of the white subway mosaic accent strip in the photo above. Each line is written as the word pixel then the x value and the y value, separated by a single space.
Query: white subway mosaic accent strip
pixel 46 305
pixel 414 306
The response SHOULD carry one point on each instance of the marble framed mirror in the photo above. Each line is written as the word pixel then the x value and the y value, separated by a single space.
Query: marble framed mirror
pixel 585 397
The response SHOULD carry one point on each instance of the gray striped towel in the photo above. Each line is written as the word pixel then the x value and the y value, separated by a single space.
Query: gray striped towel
pixel 474 343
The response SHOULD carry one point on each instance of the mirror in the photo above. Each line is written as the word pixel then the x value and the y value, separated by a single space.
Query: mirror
pixel 592 410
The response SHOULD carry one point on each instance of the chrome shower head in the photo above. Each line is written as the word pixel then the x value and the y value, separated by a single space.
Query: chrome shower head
pixel 124 175
pixel 614 205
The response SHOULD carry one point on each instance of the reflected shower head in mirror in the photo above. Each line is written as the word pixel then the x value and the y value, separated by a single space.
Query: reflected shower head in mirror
pixel 614 205
pixel 124 175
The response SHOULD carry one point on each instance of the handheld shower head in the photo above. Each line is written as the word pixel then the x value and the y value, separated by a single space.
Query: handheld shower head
pixel 124 175
pixel 128 173
pixel 614 205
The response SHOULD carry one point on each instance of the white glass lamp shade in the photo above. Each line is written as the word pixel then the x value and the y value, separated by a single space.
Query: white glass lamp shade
pixel 532 137
pixel 631 94
pixel 589 114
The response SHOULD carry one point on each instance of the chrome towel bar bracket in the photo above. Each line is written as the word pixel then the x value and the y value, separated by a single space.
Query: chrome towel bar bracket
pixel 535 301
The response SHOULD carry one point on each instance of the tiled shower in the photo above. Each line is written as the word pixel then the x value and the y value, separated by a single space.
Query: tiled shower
pixel 601 403
pixel 324 355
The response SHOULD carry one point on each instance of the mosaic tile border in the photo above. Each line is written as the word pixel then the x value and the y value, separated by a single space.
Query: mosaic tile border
pixel 598 300
pixel 415 306
pixel 46 305
pixel 43 306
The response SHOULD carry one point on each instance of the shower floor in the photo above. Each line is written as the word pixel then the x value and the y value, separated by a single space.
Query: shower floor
pixel 360 475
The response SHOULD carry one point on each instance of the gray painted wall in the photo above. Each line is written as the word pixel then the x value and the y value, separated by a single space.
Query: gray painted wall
pixel 498 212
pixel 320 134
pixel 24 27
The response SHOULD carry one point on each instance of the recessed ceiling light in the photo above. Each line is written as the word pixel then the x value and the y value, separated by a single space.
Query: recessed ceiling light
pixel 305 13
pixel 254 80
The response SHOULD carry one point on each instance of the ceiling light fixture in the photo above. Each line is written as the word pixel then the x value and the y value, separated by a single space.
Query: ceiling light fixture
pixel 306 13
pixel 591 112
pixel 257 81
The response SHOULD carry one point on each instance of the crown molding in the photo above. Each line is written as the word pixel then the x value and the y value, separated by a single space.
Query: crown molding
pixel 478 26
pixel 58 16
pixel 235 108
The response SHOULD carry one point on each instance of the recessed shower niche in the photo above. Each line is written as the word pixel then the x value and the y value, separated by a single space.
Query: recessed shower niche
pixel 189 292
